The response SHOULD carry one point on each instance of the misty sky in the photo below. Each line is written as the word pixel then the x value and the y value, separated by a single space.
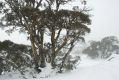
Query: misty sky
pixel 104 22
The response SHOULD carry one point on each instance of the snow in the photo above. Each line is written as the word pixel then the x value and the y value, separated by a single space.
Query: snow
pixel 87 70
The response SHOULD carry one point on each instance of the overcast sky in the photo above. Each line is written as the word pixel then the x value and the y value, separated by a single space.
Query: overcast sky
pixel 105 22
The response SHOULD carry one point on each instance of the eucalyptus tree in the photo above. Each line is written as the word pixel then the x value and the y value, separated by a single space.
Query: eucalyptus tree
pixel 109 45
pixel 104 48
pixel 41 17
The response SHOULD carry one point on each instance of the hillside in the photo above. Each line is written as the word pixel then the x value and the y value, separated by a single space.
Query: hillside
pixel 87 70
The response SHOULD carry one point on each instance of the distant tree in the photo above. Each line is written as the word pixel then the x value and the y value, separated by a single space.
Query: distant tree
pixel 104 48
pixel 93 49
pixel 38 17
pixel 108 45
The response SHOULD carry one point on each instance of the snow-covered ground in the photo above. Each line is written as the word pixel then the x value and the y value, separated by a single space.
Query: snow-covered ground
pixel 87 70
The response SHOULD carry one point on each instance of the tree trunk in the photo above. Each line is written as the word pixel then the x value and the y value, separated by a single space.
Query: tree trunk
pixel 53 48
pixel 42 62
pixel 53 64
pixel 65 57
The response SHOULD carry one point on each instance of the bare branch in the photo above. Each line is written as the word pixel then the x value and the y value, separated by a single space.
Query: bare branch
pixel 39 4
pixel 58 34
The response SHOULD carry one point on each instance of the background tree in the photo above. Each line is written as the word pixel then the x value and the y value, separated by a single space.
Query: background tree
pixel 38 18
pixel 108 46
pixel 93 49
pixel 104 48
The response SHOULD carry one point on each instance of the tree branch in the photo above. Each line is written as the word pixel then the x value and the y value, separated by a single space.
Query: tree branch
pixel 39 3
pixel 58 34
pixel 64 43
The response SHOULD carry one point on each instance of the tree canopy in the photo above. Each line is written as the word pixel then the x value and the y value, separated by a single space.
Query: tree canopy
pixel 41 18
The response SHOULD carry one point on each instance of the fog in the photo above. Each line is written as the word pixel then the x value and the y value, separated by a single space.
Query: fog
pixel 105 17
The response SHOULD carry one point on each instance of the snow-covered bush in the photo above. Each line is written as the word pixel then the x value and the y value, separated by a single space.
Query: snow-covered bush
pixel 14 56
pixel 71 62
pixel 17 57
pixel 66 64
